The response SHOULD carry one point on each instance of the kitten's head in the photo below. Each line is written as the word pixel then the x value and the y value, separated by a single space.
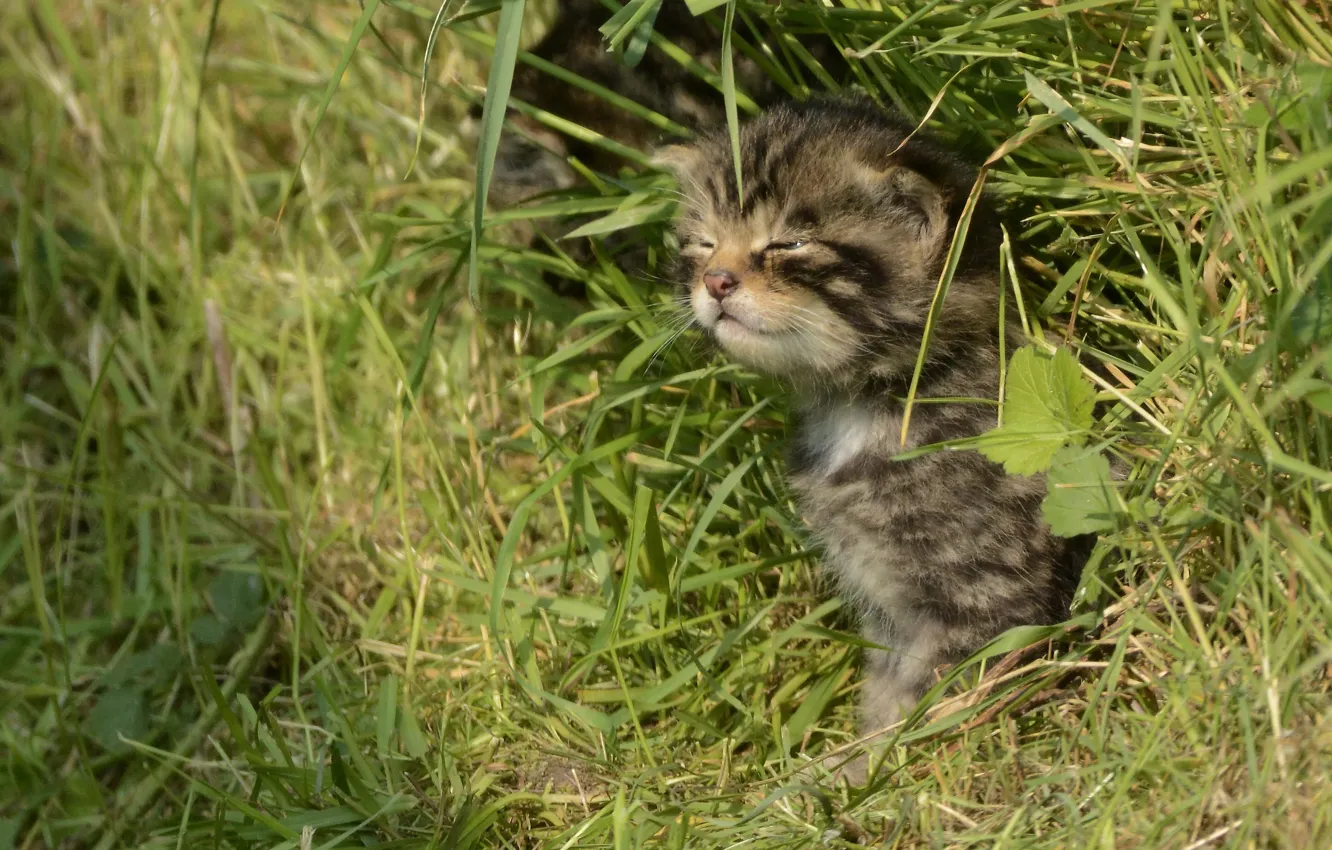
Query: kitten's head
pixel 826 268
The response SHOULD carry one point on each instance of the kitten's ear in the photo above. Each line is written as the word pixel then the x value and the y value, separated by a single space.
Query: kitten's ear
pixel 679 160
pixel 919 196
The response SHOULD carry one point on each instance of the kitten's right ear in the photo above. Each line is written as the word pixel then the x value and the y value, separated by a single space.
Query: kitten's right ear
pixel 916 193
pixel 679 160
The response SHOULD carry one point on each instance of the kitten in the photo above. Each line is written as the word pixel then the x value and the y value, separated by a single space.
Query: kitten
pixel 823 277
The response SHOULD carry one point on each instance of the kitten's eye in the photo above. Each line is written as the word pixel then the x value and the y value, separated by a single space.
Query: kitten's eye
pixel 786 246
pixel 703 243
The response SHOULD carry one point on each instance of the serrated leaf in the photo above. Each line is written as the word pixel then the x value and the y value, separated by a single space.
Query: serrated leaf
pixel 1047 405
pixel 119 712
pixel 1311 320
pixel 1078 498
pixel 156 664
pixel 238 598
pixel 1048 391
pixel 208 630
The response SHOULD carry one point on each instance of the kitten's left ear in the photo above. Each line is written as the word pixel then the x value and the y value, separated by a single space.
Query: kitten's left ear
pixel 919 197
pixel 677 159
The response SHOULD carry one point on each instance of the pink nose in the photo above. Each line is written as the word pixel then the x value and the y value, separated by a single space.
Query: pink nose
pixel 720 283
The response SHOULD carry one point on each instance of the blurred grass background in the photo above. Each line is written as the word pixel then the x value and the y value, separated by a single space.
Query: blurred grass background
pixel 299 548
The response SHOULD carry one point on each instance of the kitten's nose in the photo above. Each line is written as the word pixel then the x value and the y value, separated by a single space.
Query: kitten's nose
pixel 720 283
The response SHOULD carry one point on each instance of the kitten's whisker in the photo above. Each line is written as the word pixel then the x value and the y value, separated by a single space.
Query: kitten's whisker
pixel 809 329
pixel 665 345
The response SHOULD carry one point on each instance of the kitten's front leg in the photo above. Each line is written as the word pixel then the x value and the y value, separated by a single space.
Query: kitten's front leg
pixel 895 679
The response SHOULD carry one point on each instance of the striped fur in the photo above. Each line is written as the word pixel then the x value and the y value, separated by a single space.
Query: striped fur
pixel 834 244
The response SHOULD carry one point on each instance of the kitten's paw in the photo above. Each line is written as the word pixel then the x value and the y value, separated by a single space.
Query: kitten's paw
pixel 849 768
pixel 854 771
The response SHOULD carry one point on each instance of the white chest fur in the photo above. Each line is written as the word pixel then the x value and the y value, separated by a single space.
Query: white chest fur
pixel 833 436
pixel 846 516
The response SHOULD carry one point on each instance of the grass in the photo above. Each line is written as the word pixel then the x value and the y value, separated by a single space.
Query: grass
pixel 298 547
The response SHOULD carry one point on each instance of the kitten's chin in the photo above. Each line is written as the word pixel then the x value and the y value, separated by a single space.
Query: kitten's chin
pixel 775 354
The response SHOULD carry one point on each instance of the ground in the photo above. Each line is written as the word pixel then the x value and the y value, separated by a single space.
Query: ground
pixel 301 545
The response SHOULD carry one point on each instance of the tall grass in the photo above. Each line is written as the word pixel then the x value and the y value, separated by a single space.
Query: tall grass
pixel 298 547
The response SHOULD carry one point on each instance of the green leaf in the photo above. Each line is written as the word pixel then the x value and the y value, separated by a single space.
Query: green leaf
pixel 719 497
pixel 653 565
pixel 940 295
pixel 616 27
pixel 209 630
pixel 156 664
pixel 526 602
pixel 238 598
pixel 634 23
pixel 492 122
pixel 1320 400
pixel 1047 405
pixel 847 638
pixel 119 712
pixel 1079 499
pixel 571 351
pixel 1311 320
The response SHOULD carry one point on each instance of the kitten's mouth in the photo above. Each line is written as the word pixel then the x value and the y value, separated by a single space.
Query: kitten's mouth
pixel 731 330
pixel 732 322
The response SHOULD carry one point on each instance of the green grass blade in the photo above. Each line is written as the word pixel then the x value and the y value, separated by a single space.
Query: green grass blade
pixel 728 95
pixel 348 52
pixel 940 294
pixel 492 124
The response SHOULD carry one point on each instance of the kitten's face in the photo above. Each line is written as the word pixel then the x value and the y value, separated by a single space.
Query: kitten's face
pixel 829 264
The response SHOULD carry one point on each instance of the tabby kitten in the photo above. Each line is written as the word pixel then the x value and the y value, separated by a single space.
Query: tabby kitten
pixel 822 275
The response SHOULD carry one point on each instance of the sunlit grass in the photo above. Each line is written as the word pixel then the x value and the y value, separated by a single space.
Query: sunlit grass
pixel 299 547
